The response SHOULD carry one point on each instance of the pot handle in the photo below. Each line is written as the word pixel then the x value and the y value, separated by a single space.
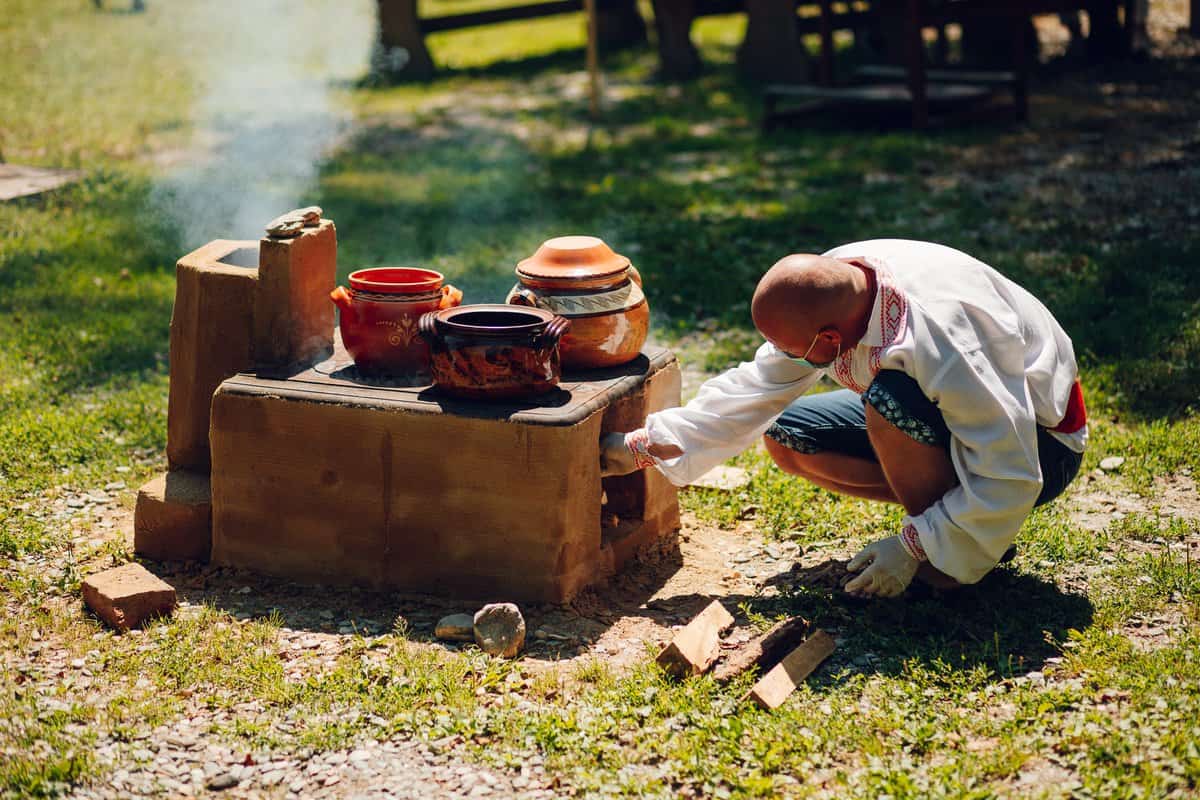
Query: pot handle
pixel 426 326
pixel 635 275
pixel 520 296
pixel 341 298
pixel 451 297
pixel 555 330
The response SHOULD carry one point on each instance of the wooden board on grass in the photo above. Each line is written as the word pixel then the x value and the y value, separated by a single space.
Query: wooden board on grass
pixel 697 645
pixel 775 687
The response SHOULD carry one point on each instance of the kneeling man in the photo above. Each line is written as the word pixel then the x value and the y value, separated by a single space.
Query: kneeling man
pixel 961 402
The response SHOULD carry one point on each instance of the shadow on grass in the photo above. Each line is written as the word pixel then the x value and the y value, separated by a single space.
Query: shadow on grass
pixel 1008 623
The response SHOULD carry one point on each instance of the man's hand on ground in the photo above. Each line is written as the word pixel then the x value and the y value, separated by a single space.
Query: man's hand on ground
pixel 889 569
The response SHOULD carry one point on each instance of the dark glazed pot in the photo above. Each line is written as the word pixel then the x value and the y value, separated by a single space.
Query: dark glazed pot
pixel 489 352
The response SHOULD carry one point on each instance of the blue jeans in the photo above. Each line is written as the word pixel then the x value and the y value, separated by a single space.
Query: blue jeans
pixel 837 422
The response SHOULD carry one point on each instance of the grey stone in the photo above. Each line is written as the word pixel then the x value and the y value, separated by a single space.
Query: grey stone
pixel 222 780
pixel 1111 463
pixel 500 629
pixel 456 628
pixel 285 226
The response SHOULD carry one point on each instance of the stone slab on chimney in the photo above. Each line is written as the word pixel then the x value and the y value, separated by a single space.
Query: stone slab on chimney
pixel 293 315
pixel 212 329
pixel 173 517
pixel 126 596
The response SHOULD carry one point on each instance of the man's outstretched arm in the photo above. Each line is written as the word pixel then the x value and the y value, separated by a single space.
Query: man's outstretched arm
pixel 727 416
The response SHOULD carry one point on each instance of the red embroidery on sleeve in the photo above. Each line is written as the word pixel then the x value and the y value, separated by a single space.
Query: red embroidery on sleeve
pixel 912 543
pixel 638 443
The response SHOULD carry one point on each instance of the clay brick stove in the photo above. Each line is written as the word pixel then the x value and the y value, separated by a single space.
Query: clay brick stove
pixel 287 462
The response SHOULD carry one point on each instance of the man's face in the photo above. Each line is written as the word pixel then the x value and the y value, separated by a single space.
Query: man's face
pixel 818 347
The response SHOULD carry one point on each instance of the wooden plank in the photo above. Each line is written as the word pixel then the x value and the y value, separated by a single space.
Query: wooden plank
pixel 778 684
pixel 450 22
pixel 762 650
pixel 696 647
pixel 881 94
pixel 983 77
pixel 17 180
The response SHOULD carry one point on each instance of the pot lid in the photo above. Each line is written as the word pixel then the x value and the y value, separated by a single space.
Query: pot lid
pixel 573 257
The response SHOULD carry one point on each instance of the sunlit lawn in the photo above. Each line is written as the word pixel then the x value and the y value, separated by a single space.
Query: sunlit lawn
pixel 467 175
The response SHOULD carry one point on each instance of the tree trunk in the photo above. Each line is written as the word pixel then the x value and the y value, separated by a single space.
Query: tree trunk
pixel 1106 39
pixel 772 50
pixel 677 55
pixel 618 24
pixel 400 52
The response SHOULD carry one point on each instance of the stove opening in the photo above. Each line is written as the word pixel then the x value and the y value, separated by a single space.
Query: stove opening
pixel 241 257
pixel 622 506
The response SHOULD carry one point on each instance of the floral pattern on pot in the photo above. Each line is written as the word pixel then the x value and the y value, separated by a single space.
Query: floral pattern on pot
pixel 379 316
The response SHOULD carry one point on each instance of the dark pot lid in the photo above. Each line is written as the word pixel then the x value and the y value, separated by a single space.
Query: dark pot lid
pixel 573 257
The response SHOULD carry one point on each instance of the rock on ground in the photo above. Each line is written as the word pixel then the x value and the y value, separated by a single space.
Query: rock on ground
pixel 456 628
pixel 500 629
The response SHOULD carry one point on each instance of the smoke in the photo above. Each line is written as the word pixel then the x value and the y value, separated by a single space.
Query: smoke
pixel 266 110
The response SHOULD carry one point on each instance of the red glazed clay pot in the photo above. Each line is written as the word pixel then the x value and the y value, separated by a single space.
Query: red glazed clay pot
pixel 582 279
pixel 491 352
pixel 380 312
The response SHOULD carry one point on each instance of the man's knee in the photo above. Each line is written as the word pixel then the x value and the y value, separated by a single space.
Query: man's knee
pixel 786 458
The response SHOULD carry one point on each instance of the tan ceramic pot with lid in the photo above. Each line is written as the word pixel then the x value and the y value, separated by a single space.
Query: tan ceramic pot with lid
pixel 598 290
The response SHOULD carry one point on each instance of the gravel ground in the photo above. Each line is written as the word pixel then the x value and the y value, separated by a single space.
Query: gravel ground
pixel 176 761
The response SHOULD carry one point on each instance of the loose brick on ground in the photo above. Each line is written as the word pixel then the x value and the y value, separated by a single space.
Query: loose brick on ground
pixel 126 596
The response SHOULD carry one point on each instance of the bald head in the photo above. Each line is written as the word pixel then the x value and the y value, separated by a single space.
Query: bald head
pixel 803 296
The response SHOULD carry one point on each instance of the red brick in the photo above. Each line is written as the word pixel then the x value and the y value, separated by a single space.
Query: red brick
pixel 126 596
pixel 293 315
pixel 212 331
pixel 173 518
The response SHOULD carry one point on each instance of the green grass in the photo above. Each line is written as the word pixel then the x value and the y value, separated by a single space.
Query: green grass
pixel 467 175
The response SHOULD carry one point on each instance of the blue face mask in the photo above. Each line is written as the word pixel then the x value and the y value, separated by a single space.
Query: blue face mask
pixel 803 360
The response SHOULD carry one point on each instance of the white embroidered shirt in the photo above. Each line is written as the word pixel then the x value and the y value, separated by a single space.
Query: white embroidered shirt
pixel 984 349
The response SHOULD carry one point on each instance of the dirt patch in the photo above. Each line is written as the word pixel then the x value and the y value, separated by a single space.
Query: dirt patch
pixel 616 622
pixel 1178 496
pixel 1102 501
pixel 1042 775
pixel 1154 632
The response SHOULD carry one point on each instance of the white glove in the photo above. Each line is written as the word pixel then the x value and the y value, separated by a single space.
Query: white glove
pixel 890 571
pixel 615 456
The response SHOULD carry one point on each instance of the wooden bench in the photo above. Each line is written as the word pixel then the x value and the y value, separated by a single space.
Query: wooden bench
pixel 401 52
pixel 958 93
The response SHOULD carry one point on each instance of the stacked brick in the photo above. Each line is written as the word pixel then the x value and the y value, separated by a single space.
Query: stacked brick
pixel 239 305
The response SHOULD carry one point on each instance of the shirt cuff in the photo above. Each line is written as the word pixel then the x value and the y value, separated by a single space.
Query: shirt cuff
pixel 910 540
pixel 638 443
